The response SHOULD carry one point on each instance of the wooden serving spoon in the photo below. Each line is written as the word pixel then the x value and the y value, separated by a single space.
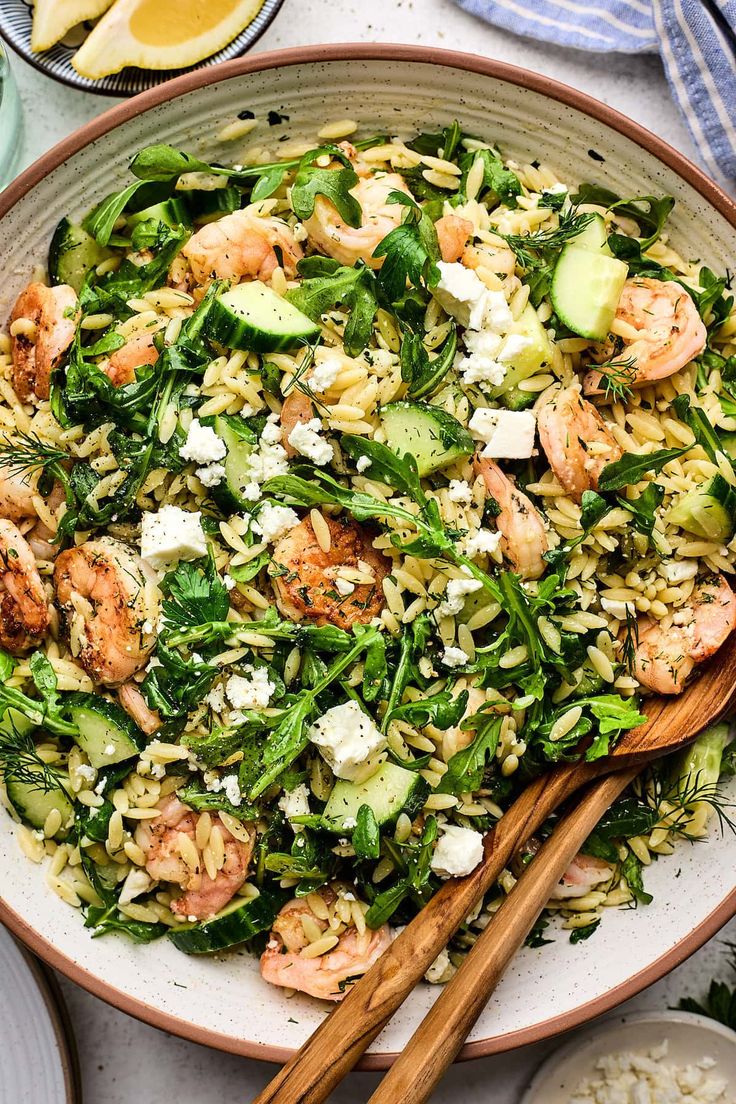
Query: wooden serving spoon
pixel 337 1044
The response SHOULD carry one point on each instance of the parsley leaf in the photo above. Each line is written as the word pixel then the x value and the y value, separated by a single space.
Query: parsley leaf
pixel 194 594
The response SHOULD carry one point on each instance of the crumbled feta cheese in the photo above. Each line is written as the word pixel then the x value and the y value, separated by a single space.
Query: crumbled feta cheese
pixel 455 594
pixel 556 189
pixel 252 690
pixel 295 803
pixel 216 699
pixel 512 346
pixel 679 571
pixel 481 542
pixel 508 434
pixel 271 432
pixel 636 1077
pixel 363 463
pixel 100 787
pixel 87 773
pixel 267 461
pixel 349 741
pixel 211 475
pixel 247 411
pixel 305 438
pixel 481 366
pixel 170 535
pixel 202 444
pixel 460 491
pixel 617 608
pixel 228 785
pixel 274 521
pixel 459 291
pixel 454 657
pixel 324 374
pixel 229 582
pixel 344 587
pixel 497 315
pixel 457 851
pixel 349 823
pixel 440 970
pixel 136 883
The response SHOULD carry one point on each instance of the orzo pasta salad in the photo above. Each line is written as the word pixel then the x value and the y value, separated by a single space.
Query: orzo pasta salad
pixel 340 495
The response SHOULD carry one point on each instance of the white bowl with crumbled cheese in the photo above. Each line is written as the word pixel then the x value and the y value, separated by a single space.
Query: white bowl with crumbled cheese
pixel 645 1058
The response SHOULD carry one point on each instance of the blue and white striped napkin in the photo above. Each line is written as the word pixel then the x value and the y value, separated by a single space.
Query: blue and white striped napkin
pixel 696 38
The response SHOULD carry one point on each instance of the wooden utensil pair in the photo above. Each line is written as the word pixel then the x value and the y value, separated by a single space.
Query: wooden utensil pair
pixel 335 1047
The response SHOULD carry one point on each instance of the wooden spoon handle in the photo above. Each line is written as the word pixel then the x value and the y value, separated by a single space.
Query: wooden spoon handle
pixel 440 1036
pixel 334 1048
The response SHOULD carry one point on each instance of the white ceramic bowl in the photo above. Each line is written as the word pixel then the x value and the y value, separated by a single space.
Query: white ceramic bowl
pixel 398 89
pixel 689 1037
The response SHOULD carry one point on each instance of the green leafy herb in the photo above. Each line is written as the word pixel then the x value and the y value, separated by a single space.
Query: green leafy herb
pixel 366 836
pixel 505 185
pixel 697 419
pixel 578 935
pixel 643 509
pixel 720 1001
pixel 617 377
pixel 334 184
pixel 107 918
pixel 530 247
pixel 650 212
pixel 632 467
pixel 326 284
pixel 423 373
pixel 194 594
pixel 411 251
pixel 631 869
pixel 414 883
pixel 466 768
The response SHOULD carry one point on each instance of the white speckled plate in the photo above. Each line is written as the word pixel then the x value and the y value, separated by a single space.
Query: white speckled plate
pixel 39 1065
pixel 397 89
pixel 690 1039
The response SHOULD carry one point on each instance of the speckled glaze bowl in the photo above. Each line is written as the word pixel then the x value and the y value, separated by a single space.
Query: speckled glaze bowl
pixel 398 89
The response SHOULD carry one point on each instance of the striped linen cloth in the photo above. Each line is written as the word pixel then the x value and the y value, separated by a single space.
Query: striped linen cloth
pixel 696 38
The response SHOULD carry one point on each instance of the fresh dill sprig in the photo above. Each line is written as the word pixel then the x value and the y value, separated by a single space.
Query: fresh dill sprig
pixel 527 247
pixel 677 799
pixel 617 377
pixel 20 762
pixel 297 381
pixel 630 640
pixel 27 453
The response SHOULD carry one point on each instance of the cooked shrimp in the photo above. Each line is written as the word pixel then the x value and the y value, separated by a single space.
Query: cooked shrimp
pixel 665 658
pixel 121 366
pixel 296 410
pixel 325 976
pixel 452 235
pixel 135 705
pixel 24 609
pixel 310 585
pixel 52 310
pixel 110 600
pixel 524 540
pixel 347 244
pixel 17 504
pixel 497 259
pixel 166 859
pixel 577 442
pixel 584 873
pixel 241 244
pixel 669 331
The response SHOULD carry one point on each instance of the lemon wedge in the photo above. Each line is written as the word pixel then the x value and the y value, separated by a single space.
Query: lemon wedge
pixel 161 34
pixel 52 19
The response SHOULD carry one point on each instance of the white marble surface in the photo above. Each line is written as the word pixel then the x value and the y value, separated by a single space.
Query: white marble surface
pixel 123 1060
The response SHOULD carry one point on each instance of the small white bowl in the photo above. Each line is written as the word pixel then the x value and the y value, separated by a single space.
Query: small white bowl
pixel 690 1038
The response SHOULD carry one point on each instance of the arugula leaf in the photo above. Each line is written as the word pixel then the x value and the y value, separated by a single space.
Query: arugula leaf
pixel 177 684
pixel 334 184
pixel 650 212
pixel 422 373
pixel 695 417
pixel 411 251
pixel 632 467
pixel 578 935
pixel 416 880
pixel 163 162
pixel 643 509
pixel 443 144
pixel 399 472
pixel 99 223
pixel 466 768
pixel 354 287
pixel 107 918
pixel 366 836
pixel 496 177
pixel 201 799
pixel 7 666
pixel 631 869
pixel 440 709
pixel 594 508
pixel 268 183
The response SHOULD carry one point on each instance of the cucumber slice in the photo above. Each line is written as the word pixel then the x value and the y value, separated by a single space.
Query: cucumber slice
pixel 238 921
pixel 516 399
pixel 528 360
pixel 586 288
pixel 15 721
pixel 708 511
pixel 34 804
pixel 172 212
pixel 593 237
pixel 728 444
pixel 390 791
pixel 106 732
pixel 212 205
pixel 251 316
pixel 240 442
pixel 72 254
pixel 432 436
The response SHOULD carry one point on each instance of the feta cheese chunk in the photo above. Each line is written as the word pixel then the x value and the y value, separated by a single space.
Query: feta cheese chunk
pixel 459 291
pixel 363 463
pixel 305 438
pixel 440 970
pixel 171 535
pixel 295 803
pixel 679 571
pixel 481 542
pixel 455 595
pixel 454 657
pixel 508 434
pixel 274 521
pixel 324 374
pixel 211 475
pixel 251 690
pixel 460 491
pixel 481 364
pixel 457 851
pixel 228 785
pixel 137 882
pixel 202 444
pixel 267 461
pixel 512 346
pixel 348 741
